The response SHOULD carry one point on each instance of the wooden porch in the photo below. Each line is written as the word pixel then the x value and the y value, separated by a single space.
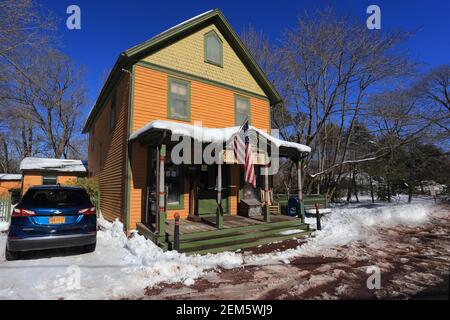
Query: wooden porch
pixel 221 230
pixel 201 237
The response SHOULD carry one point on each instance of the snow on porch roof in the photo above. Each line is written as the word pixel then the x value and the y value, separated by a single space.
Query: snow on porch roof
pixel 10 176
pixel 208 135
pixel 60 165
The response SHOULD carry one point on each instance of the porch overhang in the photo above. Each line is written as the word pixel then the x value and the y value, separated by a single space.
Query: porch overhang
pixel 161 131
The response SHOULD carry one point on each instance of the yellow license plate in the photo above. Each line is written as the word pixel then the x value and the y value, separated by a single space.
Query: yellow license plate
pixel 56 220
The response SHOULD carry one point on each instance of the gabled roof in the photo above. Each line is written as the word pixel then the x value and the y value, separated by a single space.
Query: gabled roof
pixel 166 38
pixel 49 164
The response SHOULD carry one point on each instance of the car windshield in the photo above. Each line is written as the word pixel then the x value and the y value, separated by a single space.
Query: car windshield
pixel 56 198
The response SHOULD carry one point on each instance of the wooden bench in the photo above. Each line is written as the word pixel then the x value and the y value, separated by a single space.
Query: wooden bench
pixel 309 202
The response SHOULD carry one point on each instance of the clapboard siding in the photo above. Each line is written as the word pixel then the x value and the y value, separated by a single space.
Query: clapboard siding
pixel 210 104
pixel 138 183
pixel 107 159
pixel 187 55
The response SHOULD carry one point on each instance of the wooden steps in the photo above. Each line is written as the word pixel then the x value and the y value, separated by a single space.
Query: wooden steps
pixel 232 239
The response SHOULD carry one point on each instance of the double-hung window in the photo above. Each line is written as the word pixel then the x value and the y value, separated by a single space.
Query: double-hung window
pixel 213 49
pixel 179 99
pixel 242 109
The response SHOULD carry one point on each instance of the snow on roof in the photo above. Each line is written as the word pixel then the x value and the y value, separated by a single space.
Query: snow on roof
pixel 9 176
pixel 209 135
pixel 61 165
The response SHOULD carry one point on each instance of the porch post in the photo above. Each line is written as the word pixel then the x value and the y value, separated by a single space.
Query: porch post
pixel 300 190
pixel 161 219
pixel 219 210
pixel 266 194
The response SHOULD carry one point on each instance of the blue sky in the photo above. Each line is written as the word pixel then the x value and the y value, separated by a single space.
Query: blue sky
pixel 110 27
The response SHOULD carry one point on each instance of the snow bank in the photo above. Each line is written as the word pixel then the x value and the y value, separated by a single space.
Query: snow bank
pixel 123 267
pixel 4 226
pixel 357 222
pixel 345 225
pixel 119 268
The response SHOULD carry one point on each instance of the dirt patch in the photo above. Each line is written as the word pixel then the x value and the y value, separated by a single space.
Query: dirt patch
pixel 276 246
pixel 156 290
pixel 237 275
pixel 413 262
pixel 437 292
pixel 311 263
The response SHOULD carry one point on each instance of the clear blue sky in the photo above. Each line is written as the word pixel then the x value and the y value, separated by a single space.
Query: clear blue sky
pixel 110 27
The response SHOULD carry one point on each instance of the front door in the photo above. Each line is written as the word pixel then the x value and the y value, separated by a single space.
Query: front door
pixel 207 189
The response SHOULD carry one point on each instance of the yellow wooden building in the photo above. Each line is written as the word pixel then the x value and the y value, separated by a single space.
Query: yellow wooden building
pixel 195 74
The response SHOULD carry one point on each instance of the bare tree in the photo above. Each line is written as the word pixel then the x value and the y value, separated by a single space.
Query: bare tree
pixel 25 27
pixel 325 68
pixel 51 96
pixel 433 91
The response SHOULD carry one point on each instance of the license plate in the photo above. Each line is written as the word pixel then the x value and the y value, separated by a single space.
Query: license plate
pixel 56 220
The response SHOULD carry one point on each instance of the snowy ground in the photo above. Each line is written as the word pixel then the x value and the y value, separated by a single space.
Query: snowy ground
pixel 409 243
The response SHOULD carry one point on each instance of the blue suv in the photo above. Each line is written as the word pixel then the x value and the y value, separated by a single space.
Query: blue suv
pixel 51 217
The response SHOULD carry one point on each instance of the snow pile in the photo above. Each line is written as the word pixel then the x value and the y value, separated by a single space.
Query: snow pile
pixel 347 224
pixel 119 268
pixel 124 267
pixel 4 226
pixel 147 260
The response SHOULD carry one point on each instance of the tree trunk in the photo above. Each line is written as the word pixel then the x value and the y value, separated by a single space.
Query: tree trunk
pixel 389 191
pixel 371 190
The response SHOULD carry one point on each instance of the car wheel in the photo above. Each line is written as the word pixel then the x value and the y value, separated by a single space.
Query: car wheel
pixel 90 247
pixel 11 255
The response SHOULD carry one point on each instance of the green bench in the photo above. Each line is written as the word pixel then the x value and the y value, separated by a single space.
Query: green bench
pixel 309 201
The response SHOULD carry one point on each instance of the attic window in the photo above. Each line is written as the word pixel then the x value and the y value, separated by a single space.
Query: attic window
pixel 213 49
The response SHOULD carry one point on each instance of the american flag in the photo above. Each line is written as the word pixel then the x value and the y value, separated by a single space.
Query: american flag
pixel 244 155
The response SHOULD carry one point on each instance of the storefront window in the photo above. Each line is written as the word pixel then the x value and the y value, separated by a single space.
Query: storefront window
pixel 174 183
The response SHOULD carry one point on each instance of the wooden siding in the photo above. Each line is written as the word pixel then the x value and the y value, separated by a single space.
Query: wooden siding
pixel 7 185
pixel 187 55
pixel 210 104
pixel 138 185
pixel 31 179
pixel 67 179
pixel 107 159
pixel 11 184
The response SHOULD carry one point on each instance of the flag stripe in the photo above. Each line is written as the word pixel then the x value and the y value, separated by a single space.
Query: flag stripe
pixel 244 155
